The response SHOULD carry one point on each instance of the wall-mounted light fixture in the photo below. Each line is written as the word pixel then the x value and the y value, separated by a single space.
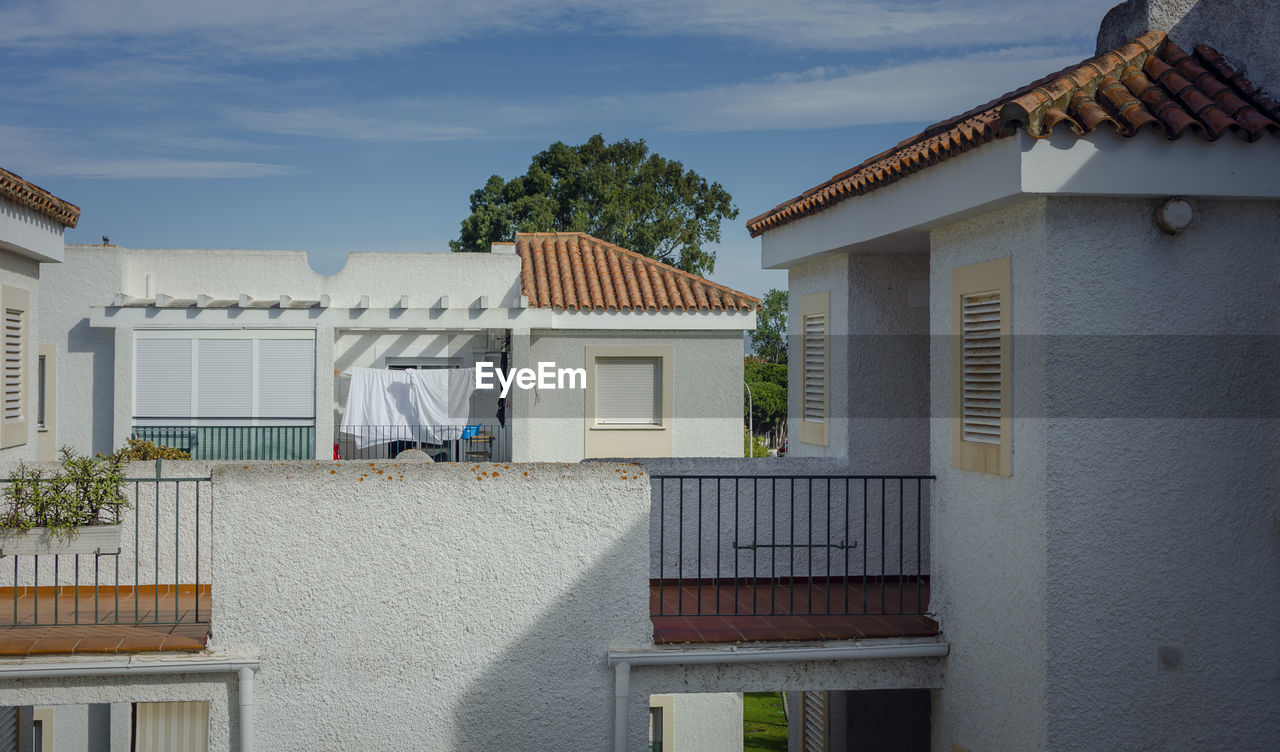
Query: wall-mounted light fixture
pixel 1174 216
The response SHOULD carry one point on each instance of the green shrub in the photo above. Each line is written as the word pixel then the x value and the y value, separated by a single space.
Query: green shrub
pixel 84 491
pixel 141 450
pixel 753 446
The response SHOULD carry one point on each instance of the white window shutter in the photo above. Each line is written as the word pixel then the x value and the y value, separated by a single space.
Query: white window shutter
pixel 981 367
pixel 224 383
pixel 286 378
pixel 162 378
pixel 14 334
pixel 629 390
pixel 815 368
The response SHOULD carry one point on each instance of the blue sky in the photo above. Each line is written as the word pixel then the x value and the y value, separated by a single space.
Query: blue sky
pixel 333 126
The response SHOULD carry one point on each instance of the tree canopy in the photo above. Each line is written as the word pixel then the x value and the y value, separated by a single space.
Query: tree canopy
pixel 769 340
pixel 618 192
pixel 768 382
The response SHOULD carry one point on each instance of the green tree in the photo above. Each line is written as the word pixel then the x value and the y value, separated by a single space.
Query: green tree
pixel 769 340
pixel 617 192
pixel 768 382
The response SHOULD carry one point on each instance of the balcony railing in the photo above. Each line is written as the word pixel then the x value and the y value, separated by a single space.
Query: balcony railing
pixel 160 573
pixel 790 545
pixel 235 442
pixel 476 442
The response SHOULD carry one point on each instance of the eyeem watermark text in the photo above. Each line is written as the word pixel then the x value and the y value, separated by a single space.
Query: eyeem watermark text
pixel 545 376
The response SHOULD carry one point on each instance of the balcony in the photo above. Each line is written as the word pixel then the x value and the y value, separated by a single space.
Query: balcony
pixel 232 442
pixel 792 557
pixel 153 592
pixel 475 442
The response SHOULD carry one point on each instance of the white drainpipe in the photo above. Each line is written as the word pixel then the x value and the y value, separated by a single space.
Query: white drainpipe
pixel 622 661
pixel 241 666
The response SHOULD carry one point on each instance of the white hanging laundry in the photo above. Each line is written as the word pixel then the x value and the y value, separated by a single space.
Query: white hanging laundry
pixel 381 407
pixel 444 401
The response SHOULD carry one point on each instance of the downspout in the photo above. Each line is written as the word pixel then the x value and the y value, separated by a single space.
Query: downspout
pixel 246 709
pixel 621 697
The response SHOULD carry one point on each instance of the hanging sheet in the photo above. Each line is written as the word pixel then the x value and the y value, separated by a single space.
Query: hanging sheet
pixel 423 406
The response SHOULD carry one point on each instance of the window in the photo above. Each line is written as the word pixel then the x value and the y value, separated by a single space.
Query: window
pixel 629 400
pixel 629 391
pixel 170 726
pixel 219 377
pixel 42 387
pixel 981 367
pixel 15 302
pixel 814 311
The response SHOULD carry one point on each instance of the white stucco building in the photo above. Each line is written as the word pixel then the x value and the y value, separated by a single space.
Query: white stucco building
pixel 32 222
pixel 248 354
pixel 1063 303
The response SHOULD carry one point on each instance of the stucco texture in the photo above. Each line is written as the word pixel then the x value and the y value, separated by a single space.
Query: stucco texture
pixel 828 274
pixel 23 273
pixel 449 607
pixel 988 562
pixel 1162 515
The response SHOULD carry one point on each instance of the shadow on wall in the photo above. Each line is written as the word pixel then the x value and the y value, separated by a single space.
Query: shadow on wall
pixel 552 689
pixel 100 345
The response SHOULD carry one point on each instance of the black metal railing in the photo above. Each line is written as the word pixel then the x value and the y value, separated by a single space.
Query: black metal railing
pixel 476 442
pixel 159 573
pixel 803 545
pixel 235 442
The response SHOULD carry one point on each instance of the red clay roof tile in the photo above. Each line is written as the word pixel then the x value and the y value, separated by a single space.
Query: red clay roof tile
pixel 38 199
pixel 574 271
pixel 1147 84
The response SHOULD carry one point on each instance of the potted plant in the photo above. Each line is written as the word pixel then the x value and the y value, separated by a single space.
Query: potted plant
pixel 73 510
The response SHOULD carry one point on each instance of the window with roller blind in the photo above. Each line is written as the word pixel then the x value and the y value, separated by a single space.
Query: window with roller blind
pixel 214 377
pixel 981 434
pixel 629 391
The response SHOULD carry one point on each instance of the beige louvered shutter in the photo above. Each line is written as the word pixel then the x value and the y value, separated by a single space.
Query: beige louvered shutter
pixel 171 727
pixel 14 334
pixel 815 367
pixel 981 367
pixel 814 728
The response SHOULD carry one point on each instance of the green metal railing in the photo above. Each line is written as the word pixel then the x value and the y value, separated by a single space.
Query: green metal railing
pixel 235 442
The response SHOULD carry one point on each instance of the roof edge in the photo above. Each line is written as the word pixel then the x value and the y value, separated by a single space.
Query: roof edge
pixel 37 199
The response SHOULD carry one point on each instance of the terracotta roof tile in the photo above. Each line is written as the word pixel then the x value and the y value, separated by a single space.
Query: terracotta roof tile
pixel 1149 84
pixel 574 271
pixel 38 199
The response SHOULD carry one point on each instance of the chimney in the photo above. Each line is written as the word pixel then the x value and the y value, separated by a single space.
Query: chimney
pixel 1244 31
pixel 503 247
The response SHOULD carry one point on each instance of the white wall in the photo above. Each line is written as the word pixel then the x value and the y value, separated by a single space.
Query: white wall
pixel 29 232
pixel 823 274
pixel 1163 474
pixel 430 606
pixel 988 558
pixel 709 722
pixel 708 393
pixel 87 368
pixel 888 363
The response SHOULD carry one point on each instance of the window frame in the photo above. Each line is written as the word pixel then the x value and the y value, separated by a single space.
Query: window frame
pixel 812 431
pixel 971 279
pixel 664 354
pixel 14 432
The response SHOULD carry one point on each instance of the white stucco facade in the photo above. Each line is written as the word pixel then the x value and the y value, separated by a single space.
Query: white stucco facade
pixel 380 309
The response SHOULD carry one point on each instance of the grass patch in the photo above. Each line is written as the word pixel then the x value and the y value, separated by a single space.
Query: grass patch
pixel 764 723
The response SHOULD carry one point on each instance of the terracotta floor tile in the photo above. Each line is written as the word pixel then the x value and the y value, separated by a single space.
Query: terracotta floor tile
pixel 52 645
pixel 97 645
pixel 15 646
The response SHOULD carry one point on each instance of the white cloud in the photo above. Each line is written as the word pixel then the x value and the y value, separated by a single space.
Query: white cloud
pixel 927 90
pixel 309 29
pixel 53 152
